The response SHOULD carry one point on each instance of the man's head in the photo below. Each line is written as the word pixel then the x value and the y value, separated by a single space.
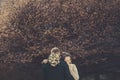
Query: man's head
pixel 67 57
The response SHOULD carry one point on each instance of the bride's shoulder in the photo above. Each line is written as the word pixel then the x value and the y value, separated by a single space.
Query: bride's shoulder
pixel 73 65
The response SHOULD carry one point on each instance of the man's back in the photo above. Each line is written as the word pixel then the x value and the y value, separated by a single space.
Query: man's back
pixel 59 72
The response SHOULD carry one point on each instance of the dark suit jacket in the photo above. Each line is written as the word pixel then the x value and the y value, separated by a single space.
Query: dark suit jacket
pixel 60 72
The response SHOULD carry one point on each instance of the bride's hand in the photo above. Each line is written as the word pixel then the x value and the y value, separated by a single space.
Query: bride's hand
pixel 45 61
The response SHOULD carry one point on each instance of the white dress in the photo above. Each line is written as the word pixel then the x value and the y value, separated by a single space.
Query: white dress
pixel 74 71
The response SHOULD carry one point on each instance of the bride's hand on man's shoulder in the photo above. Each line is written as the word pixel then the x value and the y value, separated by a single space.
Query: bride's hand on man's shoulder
pixel 45 61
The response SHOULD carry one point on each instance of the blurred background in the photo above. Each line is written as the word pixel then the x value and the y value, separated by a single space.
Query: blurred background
pixel 88 29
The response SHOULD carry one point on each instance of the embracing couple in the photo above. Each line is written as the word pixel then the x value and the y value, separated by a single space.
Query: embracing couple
pixel 59 66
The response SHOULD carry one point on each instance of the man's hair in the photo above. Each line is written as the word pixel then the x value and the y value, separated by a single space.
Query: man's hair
pixel 65 54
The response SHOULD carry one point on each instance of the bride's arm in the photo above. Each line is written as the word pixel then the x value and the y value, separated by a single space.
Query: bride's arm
pixel 75 71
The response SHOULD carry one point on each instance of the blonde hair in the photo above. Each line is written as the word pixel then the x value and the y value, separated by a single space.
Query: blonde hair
pixel 55 50
pixel 54 57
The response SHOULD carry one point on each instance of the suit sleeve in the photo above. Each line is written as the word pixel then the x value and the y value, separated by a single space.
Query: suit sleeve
pixel 67 74
pixel 44 71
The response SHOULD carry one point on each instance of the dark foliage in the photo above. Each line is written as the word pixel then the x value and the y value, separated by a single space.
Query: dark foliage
pixel 88 29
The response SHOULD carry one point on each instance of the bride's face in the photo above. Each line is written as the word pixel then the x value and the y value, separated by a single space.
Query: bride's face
pixel 68 59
